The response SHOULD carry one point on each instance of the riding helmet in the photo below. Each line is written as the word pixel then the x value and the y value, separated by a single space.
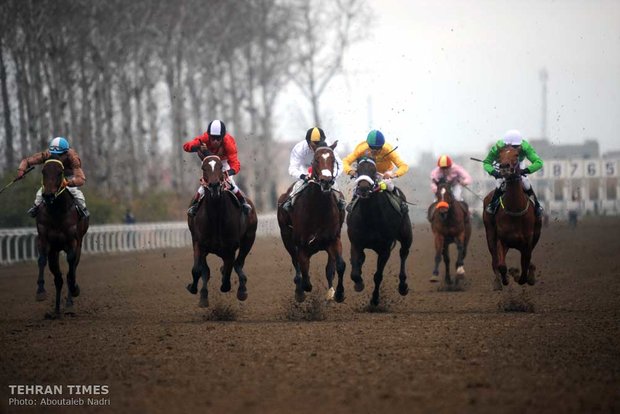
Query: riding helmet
pixel 59 145
pixel 315 135
pixel 216 128
pixel 513 137
pixel 444 161
pixel 375 139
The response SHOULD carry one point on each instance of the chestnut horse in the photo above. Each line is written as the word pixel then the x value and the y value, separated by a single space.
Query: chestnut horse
pixel 220 227
pixel 375 224
pixel 314 224
pixel 60 228
pixel 450 224
pixel 514 225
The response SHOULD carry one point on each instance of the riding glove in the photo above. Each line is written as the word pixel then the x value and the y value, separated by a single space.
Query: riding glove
pixel 496 174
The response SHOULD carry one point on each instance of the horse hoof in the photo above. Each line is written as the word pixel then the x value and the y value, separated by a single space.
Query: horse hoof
pixel 242 295
pixel 523 280
pixel 300 296
pixel 308 287
pixel 41 296
pixel 203 303
pixel 76 291
pixel 359 287
pixel 330 294
pixel 497 285
pixel 225 287
pixel 339 297
pixel 403 289
pixel 460 271
pixel 374 302
pixel 434 279
pixel 192 289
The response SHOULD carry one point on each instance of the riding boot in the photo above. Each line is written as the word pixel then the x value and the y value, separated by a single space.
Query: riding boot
pixel 33 211
pixel 341 203
pixel 537 207
pixel 492 207
pixel 245 206
pixel 351 204
pixel 193 207
pixel 82 211
pixel 288 204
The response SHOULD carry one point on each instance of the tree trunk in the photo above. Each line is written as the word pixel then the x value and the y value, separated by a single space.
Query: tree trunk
pixel 9 151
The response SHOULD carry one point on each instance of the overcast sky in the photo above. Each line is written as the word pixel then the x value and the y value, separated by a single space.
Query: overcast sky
pixel 452 76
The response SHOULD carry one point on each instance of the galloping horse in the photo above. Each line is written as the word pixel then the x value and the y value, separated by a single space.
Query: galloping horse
pixel 221 228
pixel 450 224
pixel 514 225
pixel 376 224
pixel 60 227
pixel 314 225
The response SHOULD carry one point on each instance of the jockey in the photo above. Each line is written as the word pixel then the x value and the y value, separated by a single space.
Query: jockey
pixel 451 172
pixel 386 159
pixel 514 139
pixel 217 142
pixel 301 161
pixel 74 176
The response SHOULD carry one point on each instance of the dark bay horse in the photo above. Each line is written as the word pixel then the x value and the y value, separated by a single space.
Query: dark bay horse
pixel 60 228
pixel 221 228
pixel 514 225
pixel 375 224
pixel 314 224
pixel 450 224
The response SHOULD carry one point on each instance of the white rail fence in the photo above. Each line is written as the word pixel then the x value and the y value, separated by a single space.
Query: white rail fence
pixel 19 244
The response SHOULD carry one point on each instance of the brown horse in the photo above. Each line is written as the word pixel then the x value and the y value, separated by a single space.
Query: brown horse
pixel 314 224
pixel 375 224
pixel 514 225
pixel 60 228
pixel 221 228
pixel 450 224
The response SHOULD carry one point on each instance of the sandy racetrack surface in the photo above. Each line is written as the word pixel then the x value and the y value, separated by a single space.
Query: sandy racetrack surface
pixel 140 332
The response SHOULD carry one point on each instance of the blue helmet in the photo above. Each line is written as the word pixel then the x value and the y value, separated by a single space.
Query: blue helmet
pixel 59 145
pixel 375 139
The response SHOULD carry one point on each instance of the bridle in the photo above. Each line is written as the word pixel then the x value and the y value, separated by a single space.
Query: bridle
pixel 326 185
pixel 374 187
pixel 61 187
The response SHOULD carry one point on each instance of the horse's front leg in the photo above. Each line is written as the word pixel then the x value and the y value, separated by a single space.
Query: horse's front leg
pixel 446 261
pixel 492 245
pixel 526 257
pixel 226 270
pixel 405 245
pixel 439 241
pixel 203 302
pixel 358 257
pixel 384 255
pixel 72 288
pixel 198 268
pixel 502 249
pixel 55 269
pixel 335 257
pixel 303 285
pixel 246 245
pixel 460 247
pixel 42 262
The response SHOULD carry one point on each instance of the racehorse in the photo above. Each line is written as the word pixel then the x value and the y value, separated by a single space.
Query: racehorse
pixel 514 225
pixel 375 223
pixel 59 227
pixel 220 227
pixel 314 224
pixel 450 224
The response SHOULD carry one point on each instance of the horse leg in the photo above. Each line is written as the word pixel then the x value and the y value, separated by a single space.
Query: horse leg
pixel 446 261
pixel 43 252
pixel 203 302
pixel 72 289
pixel 526 256
pixel 303 285
pixel 197 269
pixel 335 262
pixel 492 245
pixel 405 244
pixel 55 269
pixel 357 261
pixel 381 262
pixel 330 269
pixel 287 239
pixel 244 249
pixel 226 270
pixel 460 247
pixel 439 240
pixel 501 262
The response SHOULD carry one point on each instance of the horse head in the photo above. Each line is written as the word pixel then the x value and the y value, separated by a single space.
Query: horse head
pixel 444 197
pixel 365 183
pixel 509 166
pixel 213 174
pixel 323 166
pixel 53 180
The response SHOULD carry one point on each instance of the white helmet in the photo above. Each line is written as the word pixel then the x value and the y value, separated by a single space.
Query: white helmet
pixel 513 137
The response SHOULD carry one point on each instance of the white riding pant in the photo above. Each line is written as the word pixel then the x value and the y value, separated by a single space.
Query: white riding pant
pixel 75 192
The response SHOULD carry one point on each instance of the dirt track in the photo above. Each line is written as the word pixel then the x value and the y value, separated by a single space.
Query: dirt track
pixel 140 332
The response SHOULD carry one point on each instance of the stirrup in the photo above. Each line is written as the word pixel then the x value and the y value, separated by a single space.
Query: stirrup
pixel 246 208
pixel 82 211
pixel 349 207
pixel 404 208
pixel 491 208
pixel 287 205
pixel 192 210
